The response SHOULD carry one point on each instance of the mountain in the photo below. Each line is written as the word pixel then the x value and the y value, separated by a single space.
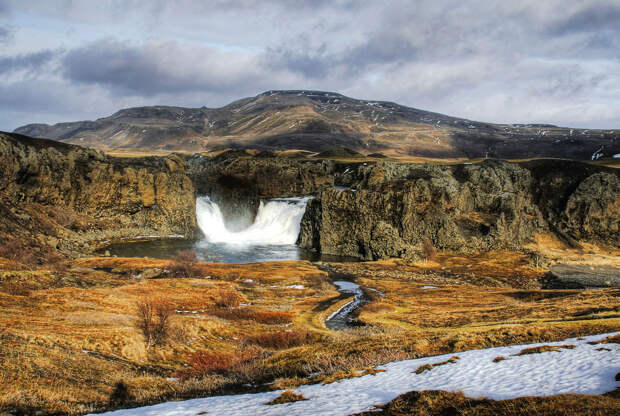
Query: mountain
pixel 318 121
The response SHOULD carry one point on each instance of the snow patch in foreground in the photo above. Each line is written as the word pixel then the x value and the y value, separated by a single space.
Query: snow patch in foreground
pixel 585 369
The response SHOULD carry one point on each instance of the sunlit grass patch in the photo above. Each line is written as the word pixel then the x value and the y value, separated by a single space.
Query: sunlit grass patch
pixel 287 397
pixel 543 348
pixel 429 367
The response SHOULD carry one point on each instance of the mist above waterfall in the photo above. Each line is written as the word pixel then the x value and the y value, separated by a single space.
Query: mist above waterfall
pixel 277 222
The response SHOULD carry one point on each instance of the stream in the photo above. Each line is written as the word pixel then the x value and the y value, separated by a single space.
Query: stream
pixel 346 316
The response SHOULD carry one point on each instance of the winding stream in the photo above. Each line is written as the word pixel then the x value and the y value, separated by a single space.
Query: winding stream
pixel 345 317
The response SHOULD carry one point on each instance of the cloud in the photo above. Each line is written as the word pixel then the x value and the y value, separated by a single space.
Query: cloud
pixel 593 17
pixel 29 62
pixel 494 61
pixel 5 34
pixel 159 67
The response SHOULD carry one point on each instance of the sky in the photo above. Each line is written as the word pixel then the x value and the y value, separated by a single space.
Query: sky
pixel 527 61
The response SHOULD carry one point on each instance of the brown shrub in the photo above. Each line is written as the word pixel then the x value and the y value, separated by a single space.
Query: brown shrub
pixel 184 264
pixel 263 317
pixel 120 395
pixel 240 364
pixel 283 339
pixel 498 359
pixel 229 299
pixel 287 397
pixel 428 250
pixel 16 251
pixel 154 320
pixel 273 317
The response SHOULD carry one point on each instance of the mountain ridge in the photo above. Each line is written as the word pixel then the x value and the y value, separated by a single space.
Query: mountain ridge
pixel 317 121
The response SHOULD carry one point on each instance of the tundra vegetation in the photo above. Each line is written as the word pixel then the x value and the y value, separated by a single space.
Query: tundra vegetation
pixel 98 333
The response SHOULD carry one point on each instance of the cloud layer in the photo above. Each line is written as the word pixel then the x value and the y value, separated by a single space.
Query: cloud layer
pixel 496 61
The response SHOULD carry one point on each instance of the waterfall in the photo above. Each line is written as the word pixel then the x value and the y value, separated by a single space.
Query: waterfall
pixel 277 222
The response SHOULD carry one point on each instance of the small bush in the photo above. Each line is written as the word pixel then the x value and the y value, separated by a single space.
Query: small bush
pixel 120 395
pixel 229 299
pixel 428 250
pixel 498 359
pixel 240 364
pixel 184 264
pixel 282 339
pixel 287 397
pixel 263 317
pixel 203 362
pixel 273 317
pixel 154 320
pixel 16 251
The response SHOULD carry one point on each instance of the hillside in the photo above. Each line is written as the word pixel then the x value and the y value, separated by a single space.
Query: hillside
pixel 319 121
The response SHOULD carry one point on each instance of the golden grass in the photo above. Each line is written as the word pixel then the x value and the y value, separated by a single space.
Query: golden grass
pixel 543 348
pixel 69 337
pixel 429 367
pixel 614 339
pixel 287 396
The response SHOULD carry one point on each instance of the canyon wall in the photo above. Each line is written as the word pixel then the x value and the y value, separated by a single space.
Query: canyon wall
pixel 72 198
pixel 388 209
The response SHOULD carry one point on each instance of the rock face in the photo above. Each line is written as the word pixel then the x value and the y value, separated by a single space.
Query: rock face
pixel 102 197
pixel 388 209
pixel 593 210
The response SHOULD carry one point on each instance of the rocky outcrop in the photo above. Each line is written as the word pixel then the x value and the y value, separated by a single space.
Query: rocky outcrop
pixel 565 276
pixel 593 210
pixel 387 209
pixel 54 184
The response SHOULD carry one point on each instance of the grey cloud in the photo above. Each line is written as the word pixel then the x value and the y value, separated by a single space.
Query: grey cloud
pixel 379 49
pixel 4 7
pixel 5 34
pixel 144 70
pixel 153 69
pixel 597 16
pixel 30 62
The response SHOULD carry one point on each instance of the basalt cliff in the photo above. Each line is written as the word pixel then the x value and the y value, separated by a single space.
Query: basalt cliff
pixel 74 199
pixel 388 209
pixel 56 196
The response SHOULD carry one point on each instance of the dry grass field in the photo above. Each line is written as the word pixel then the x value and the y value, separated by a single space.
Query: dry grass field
pixel 73 340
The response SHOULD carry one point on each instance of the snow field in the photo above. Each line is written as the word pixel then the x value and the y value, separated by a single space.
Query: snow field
pixel 586 369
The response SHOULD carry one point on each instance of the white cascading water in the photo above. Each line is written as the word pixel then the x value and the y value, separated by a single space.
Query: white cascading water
pixel 277 222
